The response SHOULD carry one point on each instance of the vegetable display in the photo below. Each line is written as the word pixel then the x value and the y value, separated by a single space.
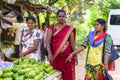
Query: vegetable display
pixel 27 69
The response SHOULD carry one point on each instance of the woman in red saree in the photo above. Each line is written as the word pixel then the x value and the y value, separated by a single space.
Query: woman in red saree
pixel 62 39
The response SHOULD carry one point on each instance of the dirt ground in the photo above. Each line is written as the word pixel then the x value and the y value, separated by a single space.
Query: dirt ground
pixel 80 71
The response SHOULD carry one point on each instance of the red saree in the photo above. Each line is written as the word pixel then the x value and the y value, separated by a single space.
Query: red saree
pixel 61 49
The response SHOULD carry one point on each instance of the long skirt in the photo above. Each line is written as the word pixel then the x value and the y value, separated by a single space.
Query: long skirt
pixel 67 68
pixel 94 72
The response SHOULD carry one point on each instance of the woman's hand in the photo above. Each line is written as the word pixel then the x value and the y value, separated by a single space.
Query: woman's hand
pixel 106 58
pixel 22 54
pixel 76 60
pixel 50 57
pixel 106 67
pixel 69 57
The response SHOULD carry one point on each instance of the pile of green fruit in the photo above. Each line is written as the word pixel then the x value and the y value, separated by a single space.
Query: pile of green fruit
pixel 27 69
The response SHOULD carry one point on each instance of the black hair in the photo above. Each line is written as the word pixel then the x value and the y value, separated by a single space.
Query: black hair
pixel 61 10
pixel 20 17
pixel 44 24
pixel 102 22
pixel 32 18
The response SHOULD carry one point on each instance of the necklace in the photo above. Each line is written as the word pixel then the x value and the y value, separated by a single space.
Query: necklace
pixel 59 26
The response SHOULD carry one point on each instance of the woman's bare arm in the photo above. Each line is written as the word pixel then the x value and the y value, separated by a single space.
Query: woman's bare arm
pixel 32 49
pixel 35 47
pixel 78 50
pixel 72 41
pixel 20 47
pixel 49 37
pixel 106 58
pixel 5 20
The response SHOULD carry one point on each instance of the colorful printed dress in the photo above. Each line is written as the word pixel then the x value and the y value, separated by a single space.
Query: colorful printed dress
pixel 94 65
pixel 28 42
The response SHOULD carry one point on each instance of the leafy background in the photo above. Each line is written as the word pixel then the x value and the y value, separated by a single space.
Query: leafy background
pixel 81 13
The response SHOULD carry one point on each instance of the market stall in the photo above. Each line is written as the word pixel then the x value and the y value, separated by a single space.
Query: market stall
pixel 21 69
pixel 12 8
pixel 28 69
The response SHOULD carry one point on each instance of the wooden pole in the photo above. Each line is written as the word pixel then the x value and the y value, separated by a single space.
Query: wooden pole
pixel 38 21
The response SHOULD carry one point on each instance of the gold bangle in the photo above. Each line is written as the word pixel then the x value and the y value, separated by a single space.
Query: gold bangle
pixel 48 49
pixel 105 64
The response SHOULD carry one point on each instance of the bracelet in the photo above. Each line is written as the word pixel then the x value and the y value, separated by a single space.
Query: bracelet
pixel 105 64
pixel 48 48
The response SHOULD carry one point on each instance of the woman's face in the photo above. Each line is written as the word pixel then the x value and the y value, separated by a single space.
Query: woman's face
pixel 31 24
pixel 98 26
pixel 61 17
pixel 44 27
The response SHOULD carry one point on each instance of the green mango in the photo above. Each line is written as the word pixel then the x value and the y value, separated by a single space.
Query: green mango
pixel 7 74
pixel 36 70
pixel 41 75
pixel 23 66
pixel 30 66
pixel 15 76
pixel 29 79
pixel 42 67
pixel 28 69
pixel 33 61
pixel 1 73
pixel 15 69
pixel 46 65
pixel 22 58
pixel 35 65
pixel 39 63
pixel 8 69
pixel 46 75
pixel 30 74
pixel 22 77
pixel 7 79
pixel 52 72
pixel 16 62
pixel 37 77
pixel 20 61
pixel 49 69
pixel 21 71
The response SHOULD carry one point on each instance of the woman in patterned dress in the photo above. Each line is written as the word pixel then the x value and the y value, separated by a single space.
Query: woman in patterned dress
pixel 95 39
pixel 30 40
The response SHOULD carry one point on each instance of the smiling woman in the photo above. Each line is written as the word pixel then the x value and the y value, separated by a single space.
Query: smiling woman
pixel 30 40
pixel 62 39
